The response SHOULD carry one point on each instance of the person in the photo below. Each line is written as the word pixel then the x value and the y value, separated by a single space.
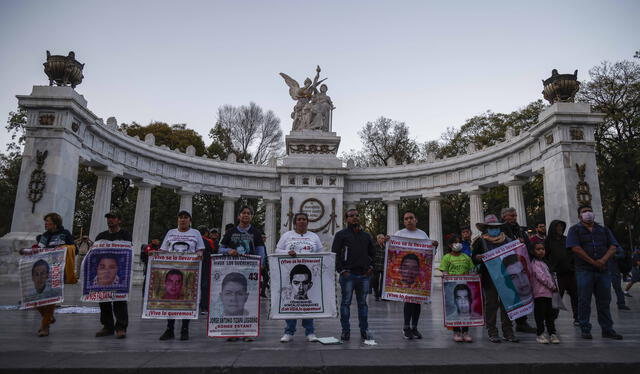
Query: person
pixel 616 278
pixel 378 266
pixel 107 272
pixel 409 270
pixel 465 239
pixel 516 272
pixel 593 246
pixel 543 287
pixel 540 233
pixel 561 262
pixel 243 239
pixel 354 262
pixel 173 281
pixel 635 271
pixel 492 237
pixel 182 239
pixel 205 273
pixel 264 271
pixel 458 263
pixel 57 236
pixel 145 251
pixel 514 231
pixel 234 295
pixel 215 237
pixel 297 241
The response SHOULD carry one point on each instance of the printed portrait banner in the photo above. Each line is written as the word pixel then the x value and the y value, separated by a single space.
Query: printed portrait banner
pixel 462 303
pixel 42 277
pixel 508 266
pixel 234 300
pixel 407 272
pixel 303 286
pixel 172 290
pixel 107 271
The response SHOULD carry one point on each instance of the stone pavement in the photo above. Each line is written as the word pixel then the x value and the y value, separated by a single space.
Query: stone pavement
pixel 72 347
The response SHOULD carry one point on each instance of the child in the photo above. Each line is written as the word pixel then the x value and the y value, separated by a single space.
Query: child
pixel 543 287
pixel 457 263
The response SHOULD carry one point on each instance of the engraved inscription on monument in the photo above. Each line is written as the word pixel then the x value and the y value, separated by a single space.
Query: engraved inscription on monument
pixel 313 208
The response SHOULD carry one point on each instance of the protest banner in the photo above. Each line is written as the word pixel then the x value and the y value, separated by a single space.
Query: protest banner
pixel 234 299
pixel 303 286
pixel 106 271
pixel 41 277
pixel 407 272
pixel 462 303
pixel 508 266
pixel 172 290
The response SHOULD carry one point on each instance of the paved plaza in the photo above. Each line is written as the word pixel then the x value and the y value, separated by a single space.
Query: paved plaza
pixel 72 346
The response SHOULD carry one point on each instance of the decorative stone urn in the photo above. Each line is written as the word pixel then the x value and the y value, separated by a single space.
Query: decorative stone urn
pixel 63 70
pixel 561 87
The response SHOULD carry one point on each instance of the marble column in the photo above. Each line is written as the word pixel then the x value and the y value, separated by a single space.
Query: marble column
pixel 392 216
pixel 476 210
pixel 270 224
pixel 186 200
pixel 140 234
pixel 228 211
pixel 102 202
pixel 435 224
pixel 516 200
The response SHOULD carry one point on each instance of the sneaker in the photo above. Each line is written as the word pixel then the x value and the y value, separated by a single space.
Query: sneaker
pixel 286 338
pixel 623 307
pixel 103 332
pixel 248 339
pixel 121 334
pixel 526 328
pixel 457 337
pixel 416 333
pixel 542 339
pixel 366 335
pixel 184 334
pixel 495 339
pixel 612 335
pixel 312 338
pixel 467 338
pixel 511 339
pixel 406 333
pixel 586 335
pixel 554 339
pixel 627 294
pixel 167 334
pixel 345 336
pixel 576 323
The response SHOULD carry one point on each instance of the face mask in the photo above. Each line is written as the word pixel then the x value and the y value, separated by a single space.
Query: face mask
pixel 588 216
pixel 493 232
pixel 456 247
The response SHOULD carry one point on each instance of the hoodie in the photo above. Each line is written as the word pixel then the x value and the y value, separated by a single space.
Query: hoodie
pixel 559 258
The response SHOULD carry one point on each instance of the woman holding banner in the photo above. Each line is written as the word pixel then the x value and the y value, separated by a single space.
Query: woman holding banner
pixel 409 268
pixel 492 237
pixel 299 240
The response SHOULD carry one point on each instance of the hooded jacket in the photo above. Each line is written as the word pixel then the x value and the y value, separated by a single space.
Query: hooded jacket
pixel 559 258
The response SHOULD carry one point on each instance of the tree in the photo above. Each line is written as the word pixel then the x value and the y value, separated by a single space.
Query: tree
pixel 382 140
pixel 10 164
pixel 255 135
pixel 175 136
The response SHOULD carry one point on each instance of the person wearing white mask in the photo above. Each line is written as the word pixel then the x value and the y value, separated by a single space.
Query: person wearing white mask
pixel 593 246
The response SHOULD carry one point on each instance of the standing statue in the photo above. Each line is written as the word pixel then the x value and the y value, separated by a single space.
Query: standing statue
pixel 313 109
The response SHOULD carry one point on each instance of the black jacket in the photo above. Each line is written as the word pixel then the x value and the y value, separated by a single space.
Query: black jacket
pixel 558 256
pixel 354 251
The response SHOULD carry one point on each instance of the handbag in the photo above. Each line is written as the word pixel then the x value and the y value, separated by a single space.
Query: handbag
pixel 556 301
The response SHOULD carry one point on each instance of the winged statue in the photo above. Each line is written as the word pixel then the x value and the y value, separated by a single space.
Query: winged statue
pixel 304 113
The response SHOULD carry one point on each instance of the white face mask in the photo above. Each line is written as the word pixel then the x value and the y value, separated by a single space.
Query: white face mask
pixel 588 216
pixel 456 247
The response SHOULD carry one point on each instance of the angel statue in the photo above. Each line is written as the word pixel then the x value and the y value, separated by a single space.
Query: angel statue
pixel 302 114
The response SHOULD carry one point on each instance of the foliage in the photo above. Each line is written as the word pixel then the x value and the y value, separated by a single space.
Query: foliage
pixel 175 136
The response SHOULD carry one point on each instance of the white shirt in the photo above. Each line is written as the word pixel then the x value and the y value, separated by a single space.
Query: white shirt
pixel 308 242
pixel 183 242
pixel 416 234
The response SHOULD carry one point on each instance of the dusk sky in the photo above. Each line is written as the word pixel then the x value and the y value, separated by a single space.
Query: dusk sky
pixel 428 64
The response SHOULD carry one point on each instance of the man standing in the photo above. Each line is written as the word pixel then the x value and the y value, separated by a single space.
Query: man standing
pixel 119 308
pixel 540 235
pixel 515 232
pixel 354 262
pixel 593 246
pixel 378 266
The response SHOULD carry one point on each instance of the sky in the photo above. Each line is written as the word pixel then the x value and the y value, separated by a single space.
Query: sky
pixel 430 64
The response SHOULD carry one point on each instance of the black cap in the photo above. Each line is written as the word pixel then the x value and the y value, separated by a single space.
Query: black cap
pixel 184 213
pixel 113 215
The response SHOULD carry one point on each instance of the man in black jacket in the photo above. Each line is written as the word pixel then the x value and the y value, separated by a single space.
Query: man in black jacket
pixel 354 262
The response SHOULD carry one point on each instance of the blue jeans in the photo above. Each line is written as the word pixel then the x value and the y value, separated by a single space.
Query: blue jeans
pixel 598 284
pixel 290 328
pixel 359 283
pixel 616 283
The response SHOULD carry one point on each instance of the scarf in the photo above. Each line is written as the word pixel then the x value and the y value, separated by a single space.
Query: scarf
pixel 494 240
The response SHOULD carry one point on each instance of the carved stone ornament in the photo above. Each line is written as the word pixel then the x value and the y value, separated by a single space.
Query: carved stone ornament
pixel 561 87
pixel 313 208
pixel 46 119
pixel 63 70
pixel 75 126
pixel 37 182
pixel 313 148
pixel 331 224
pixel 549 139
pixel 576 133
pixel 583 191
